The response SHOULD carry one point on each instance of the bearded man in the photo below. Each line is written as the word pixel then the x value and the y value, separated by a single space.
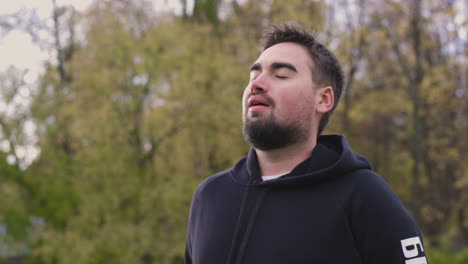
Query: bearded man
pixel 298 196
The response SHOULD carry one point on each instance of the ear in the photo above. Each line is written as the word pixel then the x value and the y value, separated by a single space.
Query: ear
pixel 324 99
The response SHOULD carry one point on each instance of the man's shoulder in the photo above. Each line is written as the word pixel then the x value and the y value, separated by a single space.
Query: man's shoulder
pixel 366 184
pixel 364 177
pixel 225 176
pixel 213 181
pixel 368 191
pixel 366 181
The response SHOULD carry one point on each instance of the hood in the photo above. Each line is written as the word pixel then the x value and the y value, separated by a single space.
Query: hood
pixel 331 157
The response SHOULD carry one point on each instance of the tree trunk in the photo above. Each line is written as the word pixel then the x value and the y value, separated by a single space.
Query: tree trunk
pixel 416 78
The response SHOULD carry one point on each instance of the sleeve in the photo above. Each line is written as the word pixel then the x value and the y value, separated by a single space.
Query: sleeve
pixel 384 231
pixel 188 250
pixel 191 228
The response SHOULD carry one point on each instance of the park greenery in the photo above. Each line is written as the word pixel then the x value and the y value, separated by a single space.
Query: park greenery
pixel 138 106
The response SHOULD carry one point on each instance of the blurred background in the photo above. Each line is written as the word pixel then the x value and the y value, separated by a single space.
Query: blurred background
pixel 112 112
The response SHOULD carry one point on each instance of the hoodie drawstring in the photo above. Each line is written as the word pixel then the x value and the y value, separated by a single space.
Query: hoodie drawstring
pixel 250 226
pixel 239 219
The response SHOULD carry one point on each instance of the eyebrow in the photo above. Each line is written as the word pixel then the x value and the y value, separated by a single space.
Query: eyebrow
pixel 275 65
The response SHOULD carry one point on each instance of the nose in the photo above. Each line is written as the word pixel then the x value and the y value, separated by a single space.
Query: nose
pixel 258 85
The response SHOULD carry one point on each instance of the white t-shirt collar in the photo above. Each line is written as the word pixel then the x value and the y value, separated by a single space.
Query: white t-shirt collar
pixel 272 177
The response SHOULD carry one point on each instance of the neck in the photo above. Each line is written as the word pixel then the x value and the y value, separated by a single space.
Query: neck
pixel 279 161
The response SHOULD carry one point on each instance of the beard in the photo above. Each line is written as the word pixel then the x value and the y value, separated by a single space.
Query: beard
pixel 270 133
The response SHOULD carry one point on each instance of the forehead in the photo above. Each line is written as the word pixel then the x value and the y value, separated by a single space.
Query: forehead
pixel 289 52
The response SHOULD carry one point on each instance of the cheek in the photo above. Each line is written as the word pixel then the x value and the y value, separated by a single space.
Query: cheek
pixel 244 99
pixel 285 105
pixel 299 104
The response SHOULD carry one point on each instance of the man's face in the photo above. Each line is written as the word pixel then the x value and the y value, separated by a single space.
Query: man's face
pixel 278 103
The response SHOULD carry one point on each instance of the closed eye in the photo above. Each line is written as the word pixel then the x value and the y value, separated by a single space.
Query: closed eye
pixel 281 77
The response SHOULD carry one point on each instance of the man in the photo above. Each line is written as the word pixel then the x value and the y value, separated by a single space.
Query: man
pixel 298 197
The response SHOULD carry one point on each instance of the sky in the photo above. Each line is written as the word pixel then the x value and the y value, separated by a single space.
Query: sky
pixel 18 49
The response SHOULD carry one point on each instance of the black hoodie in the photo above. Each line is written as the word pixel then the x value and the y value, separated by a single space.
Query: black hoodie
pixel 331 208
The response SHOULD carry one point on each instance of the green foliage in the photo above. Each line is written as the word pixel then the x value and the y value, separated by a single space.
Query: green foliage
pixel 15 222
pixel 443 256
pixel 444 253
pixel 54 198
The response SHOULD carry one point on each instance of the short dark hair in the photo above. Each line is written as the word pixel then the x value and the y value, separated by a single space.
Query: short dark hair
pixel 326 68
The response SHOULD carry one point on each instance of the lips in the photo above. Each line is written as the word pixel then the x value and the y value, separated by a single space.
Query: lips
pixel 257 101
